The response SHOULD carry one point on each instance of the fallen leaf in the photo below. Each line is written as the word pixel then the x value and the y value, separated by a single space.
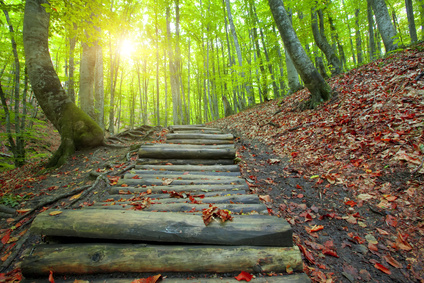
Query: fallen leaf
pixel 56 212
pixel 151 279
pixel 382 232
pixel 75 196
pixel 330 252
pixel 308 255
pixel 391 220
pixel 51 279
pixel 402 243
pixel 390 260
pixel 6 237
pixel 265 198
pixel 317 228
pixel 351 203
pixel 22 211
pixel 382 268
pixel 244 276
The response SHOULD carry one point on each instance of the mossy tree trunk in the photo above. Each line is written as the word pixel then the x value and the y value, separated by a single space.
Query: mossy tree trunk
pixel 77 129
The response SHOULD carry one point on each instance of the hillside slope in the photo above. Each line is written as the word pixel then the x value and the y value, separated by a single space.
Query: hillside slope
pixel 358 159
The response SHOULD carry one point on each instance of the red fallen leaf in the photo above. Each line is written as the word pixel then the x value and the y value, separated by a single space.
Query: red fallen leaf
pixel 402 243
pixel 186 173
pixel 244 276
pixel 53 188
pixel 390 260
pixel 382 268
pixel 307 254
pixel 193 200
pixel 330 252
pixel 391 220
pixel 382 232
pixel 372 247
pixel 51 279
pixel 151 279
pixel 351 203
pixel 6 237
pixel 294 154
pixel 136 177
pixel 316 228
pixel 124 185
pixel 329 215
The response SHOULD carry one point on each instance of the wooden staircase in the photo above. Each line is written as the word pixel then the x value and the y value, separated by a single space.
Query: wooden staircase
pixel 153 221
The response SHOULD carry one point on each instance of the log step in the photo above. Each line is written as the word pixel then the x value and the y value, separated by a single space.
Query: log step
pixel 199 162
pixel 186 153
pixel 183 188
pixel 110 258
pixel 246 199
pixel 199 136
pixel 292 278
pixel 199 141
pixel 182 173
pixel 163 195
pixel 258 230
pixel 188 207
pixel 185 181
pixel 216 168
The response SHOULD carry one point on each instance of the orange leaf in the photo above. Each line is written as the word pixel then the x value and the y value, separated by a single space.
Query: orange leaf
pixel 330 252
pixel 317 228
pixel 6 237
pixel 372 247
pixel 382 232
pixel 391 220
pixel 23 210
pixel 124 185
pixel 57 212
pixel 351 203
pixel 308 255
pixel 75 196
pixel 382 268
pixel 244 276
pixel 390 260
pixel 51 279
pixel 151 279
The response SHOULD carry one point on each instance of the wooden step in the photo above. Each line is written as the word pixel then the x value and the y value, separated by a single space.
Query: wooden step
pixel 258 230
pixel 190 168
pixel 199 141
pixel 182 176
pixel 182 173
pixel 199 136
pixel 111 258
pixel 187 207
pixel 164 195
pixel 180 188
pixel 183 181
pixel 167 161
pixel 292 278
pixel 186 153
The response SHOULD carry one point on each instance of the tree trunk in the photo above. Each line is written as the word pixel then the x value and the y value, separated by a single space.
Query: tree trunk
pixel 71 81
pixel 157 70
pixel 358 38
pixel 77 129
pixel 322 42
pixel 99 95
pixel 411 21
pixel 86 81
pixel 421 5
pixel 385 27
pixel 370 18
pixel 320 91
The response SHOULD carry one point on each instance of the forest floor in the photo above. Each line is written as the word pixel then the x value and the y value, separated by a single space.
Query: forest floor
pixel 347 175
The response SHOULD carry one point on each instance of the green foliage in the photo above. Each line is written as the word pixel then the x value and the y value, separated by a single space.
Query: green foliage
pixel 13 200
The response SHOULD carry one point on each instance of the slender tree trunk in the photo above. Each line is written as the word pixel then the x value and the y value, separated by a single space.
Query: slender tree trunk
pixel 77 130
pixel 411 21
pixel 188 86
pixel 358 37
pixel 86 81
pixel 371 37
pixel 384 24
pixel 71 81
pixel 99 94
pixel 421 5
pixel 166 89
pixel 322 42
pixel 320 91
pixel 157 69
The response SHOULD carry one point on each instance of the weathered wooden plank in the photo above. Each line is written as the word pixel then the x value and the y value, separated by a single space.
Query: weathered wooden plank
pixel 199 136
pixel 184 181
pixel 165 173
pixel 292 278
pixel 164 161
pixel 246 199
pixel 182 176
pixel 167 195
pixel 187 153
pixel 189 207
pixel 184 146
pixel 217 168
pixel 260 230
pixel 199 141
pixel 183 188
pixel 111 258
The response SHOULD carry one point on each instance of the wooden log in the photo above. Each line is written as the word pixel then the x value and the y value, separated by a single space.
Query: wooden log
pixel 189 207
pixel 184 146
pixel 291 278
pixel 186 181
pixel 198 131
pixel 199 136
pixel 161 195
pixel 199 162
pixel 182 176
pixel 187 188
pixel 186 153
pixel 165 173
pixel 112 258
pixel 199 141
pixel 216 168
pixel 260 230
pixel 246 199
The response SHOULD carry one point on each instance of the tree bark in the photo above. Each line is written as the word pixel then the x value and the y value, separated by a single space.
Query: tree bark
pixel 358 38
pixel 322 42
pixel 86 81
pixel 99 96
pixel 77 129
pixel 371 35
pixel 320 91
pixel 411 21
pixel 385 27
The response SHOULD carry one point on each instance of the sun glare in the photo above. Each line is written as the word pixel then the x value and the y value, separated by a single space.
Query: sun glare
pixel 127 47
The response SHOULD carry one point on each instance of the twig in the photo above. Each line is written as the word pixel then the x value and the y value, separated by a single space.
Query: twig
pixel 86 192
